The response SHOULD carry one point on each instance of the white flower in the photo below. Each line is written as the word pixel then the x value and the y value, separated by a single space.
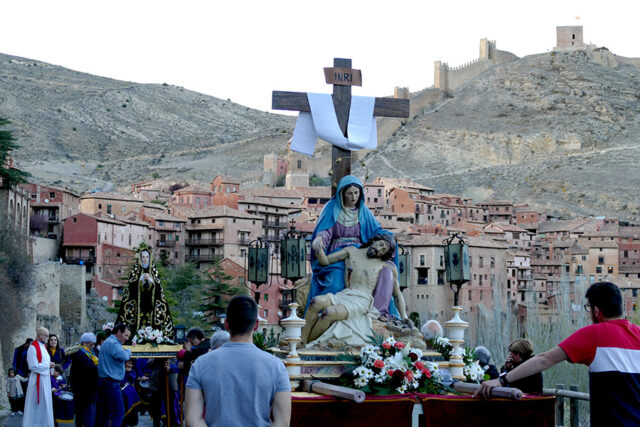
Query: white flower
pixel 158 340
pixel 381 377
pixel 360 371
pixel 360 382
pixel 390 340
pixel 417 375
pixel 368 351
pixel 368 373
pixel 473 371
pixel 402 389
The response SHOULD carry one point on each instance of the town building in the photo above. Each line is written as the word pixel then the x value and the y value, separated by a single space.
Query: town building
pixel 51 205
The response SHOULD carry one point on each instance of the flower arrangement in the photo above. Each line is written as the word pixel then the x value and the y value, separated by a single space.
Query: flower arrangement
pixel 150 336
pixel 107 326
pixel 474 372
pixel 388 366
pixel 441 345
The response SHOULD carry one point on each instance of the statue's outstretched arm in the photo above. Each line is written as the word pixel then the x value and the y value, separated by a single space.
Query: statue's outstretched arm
pixel 341 255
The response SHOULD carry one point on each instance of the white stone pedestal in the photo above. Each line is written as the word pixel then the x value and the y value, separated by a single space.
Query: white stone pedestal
pixel 455 333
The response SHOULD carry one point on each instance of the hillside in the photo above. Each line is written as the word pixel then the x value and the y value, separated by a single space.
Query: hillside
pixel 559 129
pixel 87 131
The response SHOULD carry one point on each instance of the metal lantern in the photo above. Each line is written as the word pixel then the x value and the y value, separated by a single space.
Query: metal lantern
pixel 456 258
pixel 403 267
pixel 181 332
pixel 293 255
pixel 258 261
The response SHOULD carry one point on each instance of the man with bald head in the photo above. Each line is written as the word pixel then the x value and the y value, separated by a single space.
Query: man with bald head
pixel 38 406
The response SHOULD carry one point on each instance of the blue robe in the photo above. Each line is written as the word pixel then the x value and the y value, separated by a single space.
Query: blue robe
pixel 330 279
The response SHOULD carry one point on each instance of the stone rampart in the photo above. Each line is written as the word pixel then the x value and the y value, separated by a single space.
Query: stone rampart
pixel 450 78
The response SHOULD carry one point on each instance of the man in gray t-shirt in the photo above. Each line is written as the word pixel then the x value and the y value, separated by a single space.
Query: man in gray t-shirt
pixel 238 384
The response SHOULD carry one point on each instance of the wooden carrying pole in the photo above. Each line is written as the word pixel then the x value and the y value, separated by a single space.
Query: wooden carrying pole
pixel 505 392
pixel 333 390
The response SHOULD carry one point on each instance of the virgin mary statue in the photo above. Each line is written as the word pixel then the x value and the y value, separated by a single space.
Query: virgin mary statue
pixel 344 221
pixel 143 301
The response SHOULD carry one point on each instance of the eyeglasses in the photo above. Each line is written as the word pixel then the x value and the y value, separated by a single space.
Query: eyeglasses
pixel 587 307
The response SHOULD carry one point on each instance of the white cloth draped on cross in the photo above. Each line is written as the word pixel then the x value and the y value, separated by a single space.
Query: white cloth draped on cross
pixel 322 122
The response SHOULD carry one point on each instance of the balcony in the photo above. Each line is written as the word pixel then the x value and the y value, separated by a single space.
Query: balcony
pixel 203 258
pixel 86 260
pixel 271 238
pixel 53 219
pixel 165 243
pixel 244 241
pixel 274 224
pixel 204 242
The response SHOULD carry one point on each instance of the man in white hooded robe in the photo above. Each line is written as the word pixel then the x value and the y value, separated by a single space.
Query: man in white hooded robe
pixel 38 405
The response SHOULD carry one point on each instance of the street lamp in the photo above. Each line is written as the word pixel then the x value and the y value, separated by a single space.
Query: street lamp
pixel 456 257
pixel 181 332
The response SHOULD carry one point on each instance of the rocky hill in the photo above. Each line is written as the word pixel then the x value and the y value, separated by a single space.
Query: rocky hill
pixel 87 131
pixel 559 129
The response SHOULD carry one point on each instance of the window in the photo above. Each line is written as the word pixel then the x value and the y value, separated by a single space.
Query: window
pixel 108 209
pixel 379 192
pixel 470 294
pixel 299 164
pixel 33 196
pixel 584 257
pixel 493 262
pixel 422 260
pixel 52 195
pixel 508 284
pixel 100 206
pixel 160 223
pixel 610 269
pixel 600 260
pixel 266 313
pixel 481 262
pixel 175 254
pixel 441 260
pixel 266 297
pixel 124 209
pixel 598 269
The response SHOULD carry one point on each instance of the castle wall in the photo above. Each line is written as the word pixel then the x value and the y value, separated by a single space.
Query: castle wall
pixel 73 311
pixel 447 78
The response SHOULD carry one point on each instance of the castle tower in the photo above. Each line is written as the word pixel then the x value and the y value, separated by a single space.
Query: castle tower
pixel 297 171
pixel 440 76
pixel 569 37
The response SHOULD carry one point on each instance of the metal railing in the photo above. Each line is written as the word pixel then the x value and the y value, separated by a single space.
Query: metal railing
pixel 165 243
pixel 203 258
pixel 574 396
pixel 85 260
pixel 204 242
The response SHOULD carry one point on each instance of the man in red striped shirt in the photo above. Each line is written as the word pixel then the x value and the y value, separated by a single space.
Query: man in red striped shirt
pixel 611 349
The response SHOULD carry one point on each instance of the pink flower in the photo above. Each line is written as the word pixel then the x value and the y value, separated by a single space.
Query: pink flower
pixel 390 372
pixel 399 345
pixel 419 365
pixel 378 363
pixel 427 373
pixel 408 375
pixel 386 345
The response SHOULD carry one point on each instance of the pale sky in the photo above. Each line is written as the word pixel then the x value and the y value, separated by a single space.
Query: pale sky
pixel 243 50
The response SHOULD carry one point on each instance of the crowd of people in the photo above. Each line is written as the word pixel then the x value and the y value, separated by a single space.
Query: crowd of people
pixel 228 381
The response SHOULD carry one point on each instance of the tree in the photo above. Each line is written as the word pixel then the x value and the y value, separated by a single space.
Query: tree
pixel 9 175
pixel 183 286
pixel 217 292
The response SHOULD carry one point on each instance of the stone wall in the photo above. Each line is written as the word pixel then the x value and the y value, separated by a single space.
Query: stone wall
pixel 43 249
pixel 447 78
pixel 73 311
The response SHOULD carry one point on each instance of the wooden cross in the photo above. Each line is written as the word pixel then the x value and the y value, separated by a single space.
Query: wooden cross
pixel 342 77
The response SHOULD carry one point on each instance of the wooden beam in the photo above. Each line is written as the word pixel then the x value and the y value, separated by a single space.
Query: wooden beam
pixel 297 101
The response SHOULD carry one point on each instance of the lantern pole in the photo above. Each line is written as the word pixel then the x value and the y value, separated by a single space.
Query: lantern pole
pixel 458 273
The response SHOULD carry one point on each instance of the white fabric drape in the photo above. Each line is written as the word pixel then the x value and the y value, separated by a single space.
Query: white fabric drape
pixel 322 122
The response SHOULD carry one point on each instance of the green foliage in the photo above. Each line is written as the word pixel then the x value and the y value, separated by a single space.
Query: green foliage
pixel 9 176
pixel 316 181
pixel 217 292
pixel 183 287
pixel 415 318
pixel 155 175
pixel 264 340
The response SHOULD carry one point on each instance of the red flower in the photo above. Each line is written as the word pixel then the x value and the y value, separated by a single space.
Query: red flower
pixel 427 373
pixel 419 365
pixel 390 372
pixel 399 345
pixel 409 375
pixel 413 357
pixel 386 345
pixel 378 363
